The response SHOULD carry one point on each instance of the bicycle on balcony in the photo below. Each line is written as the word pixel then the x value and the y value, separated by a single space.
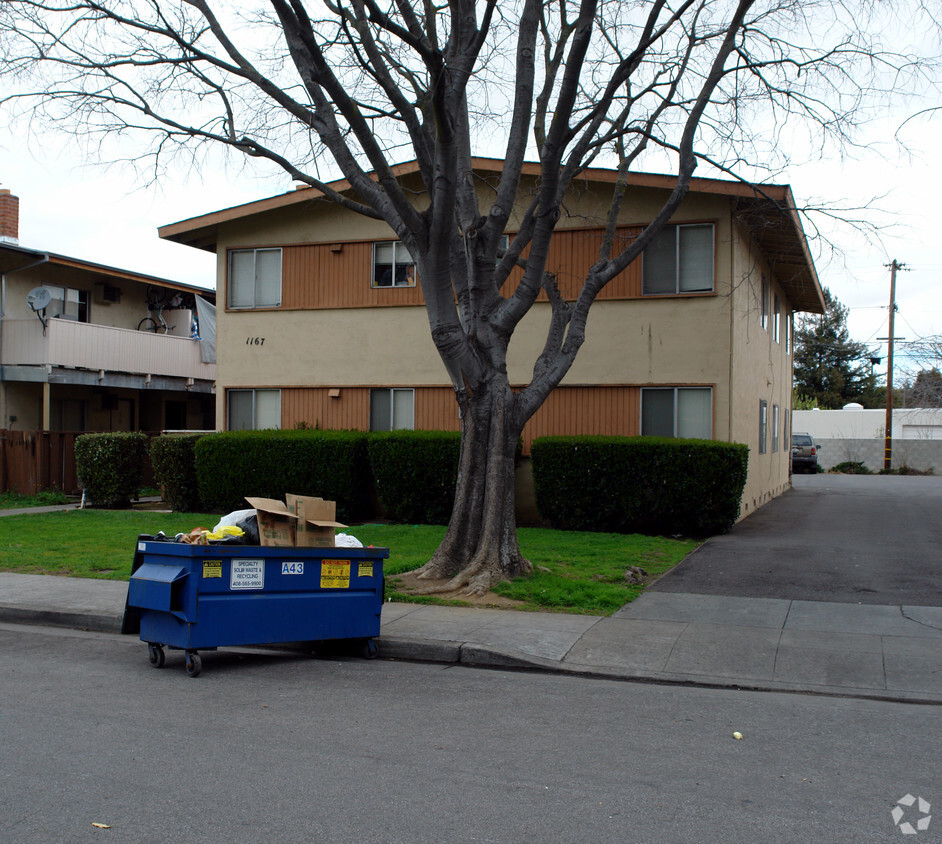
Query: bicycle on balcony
pixel 158 301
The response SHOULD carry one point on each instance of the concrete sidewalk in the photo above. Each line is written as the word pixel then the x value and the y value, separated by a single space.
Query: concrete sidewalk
pixel 870 651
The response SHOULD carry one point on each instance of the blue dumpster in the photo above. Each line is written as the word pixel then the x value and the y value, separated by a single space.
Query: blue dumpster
pixel 195 597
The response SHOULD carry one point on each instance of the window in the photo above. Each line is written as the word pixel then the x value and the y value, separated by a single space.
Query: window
pixel 67 303
pixel 392 410
pixel 679 260
pixel 677 412
pixel 763 425
pixel 255 278
pixel 252 410
pixel 776 317
pixel 788 334
pixel 393 265
pixel 774 428
pixel 765 302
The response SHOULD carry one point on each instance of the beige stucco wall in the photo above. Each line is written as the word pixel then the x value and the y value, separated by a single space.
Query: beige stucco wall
pixel 760 369
pixel 628 342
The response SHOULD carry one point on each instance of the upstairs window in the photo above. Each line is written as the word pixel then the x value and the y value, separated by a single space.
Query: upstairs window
pixel 255 278
pixel 677 412
pixel 776 317
pixel 393 265
pixel 67 303
pixel 679 260
pixel 765 302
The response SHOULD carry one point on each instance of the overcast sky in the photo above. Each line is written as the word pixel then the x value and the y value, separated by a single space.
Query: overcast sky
pixel 110 216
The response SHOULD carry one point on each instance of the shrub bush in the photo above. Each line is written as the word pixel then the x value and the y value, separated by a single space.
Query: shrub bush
pixel 331 464
pixel 639 484
pixel 174 461
pixel 850 467
pixel 111 466
pixel 415 474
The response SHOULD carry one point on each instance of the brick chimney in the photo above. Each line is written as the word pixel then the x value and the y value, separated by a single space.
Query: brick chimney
pixel 9 217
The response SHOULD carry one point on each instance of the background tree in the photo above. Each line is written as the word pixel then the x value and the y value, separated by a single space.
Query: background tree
pixel 923 390
pixel 830 368
pixel 349 87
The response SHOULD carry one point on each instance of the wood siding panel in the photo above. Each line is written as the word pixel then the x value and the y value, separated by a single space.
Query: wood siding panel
pixel 320 276
pixel 332 275
pixel 573 251
pixel 578 411
pixel 314 407
pixel 607 411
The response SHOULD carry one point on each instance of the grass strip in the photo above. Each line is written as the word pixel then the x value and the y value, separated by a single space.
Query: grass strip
pixel 574 571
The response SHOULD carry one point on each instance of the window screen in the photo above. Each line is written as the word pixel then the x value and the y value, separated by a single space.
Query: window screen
pixel 679 260
pixel 255 278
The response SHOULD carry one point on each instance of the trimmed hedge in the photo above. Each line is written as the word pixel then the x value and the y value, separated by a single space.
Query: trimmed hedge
pixel 231 465
pixel 111 466
pixel 646 485
pixel 174 461
pixel 415 473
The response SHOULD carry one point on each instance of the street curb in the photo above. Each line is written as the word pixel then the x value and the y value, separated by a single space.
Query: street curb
pixel 478 656
pixel 60 618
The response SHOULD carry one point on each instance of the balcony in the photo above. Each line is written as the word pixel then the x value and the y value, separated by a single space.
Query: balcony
pixel 79 345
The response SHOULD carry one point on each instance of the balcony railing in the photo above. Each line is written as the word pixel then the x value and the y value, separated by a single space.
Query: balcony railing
pixel 86 346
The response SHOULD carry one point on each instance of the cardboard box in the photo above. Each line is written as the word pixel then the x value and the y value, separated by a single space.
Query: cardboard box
pixel 277 525
pixel 317 524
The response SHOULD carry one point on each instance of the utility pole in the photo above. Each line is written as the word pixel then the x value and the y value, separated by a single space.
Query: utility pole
pixel 888 445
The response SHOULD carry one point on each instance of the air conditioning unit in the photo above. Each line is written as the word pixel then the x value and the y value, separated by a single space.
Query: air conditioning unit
pixel 107 294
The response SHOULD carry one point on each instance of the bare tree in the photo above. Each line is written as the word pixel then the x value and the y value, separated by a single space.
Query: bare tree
pixel 356 85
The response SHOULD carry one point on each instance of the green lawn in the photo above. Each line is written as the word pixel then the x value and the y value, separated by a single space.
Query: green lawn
pixel 16 500
pixel 575 572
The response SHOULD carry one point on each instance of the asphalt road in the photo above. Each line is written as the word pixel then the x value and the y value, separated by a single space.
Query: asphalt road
pixel 870 539
pixel 266 747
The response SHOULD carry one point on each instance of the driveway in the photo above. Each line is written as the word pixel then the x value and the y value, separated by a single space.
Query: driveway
pixel 861 539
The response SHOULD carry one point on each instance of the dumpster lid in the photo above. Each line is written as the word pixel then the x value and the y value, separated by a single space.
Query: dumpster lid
pixel 158 573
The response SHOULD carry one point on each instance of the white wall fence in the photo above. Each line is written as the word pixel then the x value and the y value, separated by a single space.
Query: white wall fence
pixel 911 453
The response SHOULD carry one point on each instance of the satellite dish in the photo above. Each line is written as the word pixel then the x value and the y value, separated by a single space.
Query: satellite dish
pixel 38 298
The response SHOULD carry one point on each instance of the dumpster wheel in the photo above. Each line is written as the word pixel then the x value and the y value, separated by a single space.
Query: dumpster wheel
pixel 369 649
pixel 155 655
pixel 193 664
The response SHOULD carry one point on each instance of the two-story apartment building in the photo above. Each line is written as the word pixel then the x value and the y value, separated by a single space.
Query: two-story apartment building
pixel 78 349
pixel 321 321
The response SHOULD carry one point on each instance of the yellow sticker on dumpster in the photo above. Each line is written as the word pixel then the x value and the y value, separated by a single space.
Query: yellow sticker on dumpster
pixel 212 568
pixel 335 574
pixel 365 570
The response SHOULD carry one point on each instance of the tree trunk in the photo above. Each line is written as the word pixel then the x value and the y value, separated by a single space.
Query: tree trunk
pixel 480 547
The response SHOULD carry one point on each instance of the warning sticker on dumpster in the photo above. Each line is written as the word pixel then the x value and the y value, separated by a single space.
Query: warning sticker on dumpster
pixel 365 570
pixel 212 568
pixel 247 574
pixel 335 574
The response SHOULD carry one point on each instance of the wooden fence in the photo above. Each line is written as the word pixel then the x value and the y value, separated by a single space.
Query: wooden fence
pixel 33 461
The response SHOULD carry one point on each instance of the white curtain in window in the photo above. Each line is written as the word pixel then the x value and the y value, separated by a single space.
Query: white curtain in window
pixel 695 258
pixel 695 412
pixel 267 409
pixel 267 278
pixel 403 410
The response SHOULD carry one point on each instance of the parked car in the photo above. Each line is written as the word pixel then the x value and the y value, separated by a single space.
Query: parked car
pixel 804 453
